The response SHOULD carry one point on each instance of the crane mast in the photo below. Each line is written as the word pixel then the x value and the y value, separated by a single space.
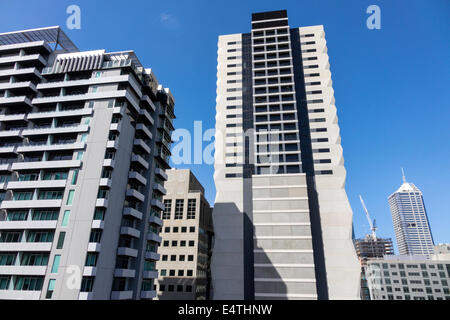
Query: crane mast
pixel 373 226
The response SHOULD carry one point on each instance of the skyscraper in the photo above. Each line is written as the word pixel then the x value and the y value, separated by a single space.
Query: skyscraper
pixel 410 219
pixel 184 268
pixel 84 143
pixel 282 220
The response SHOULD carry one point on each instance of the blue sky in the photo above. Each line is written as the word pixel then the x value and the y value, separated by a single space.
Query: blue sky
pixel 392 86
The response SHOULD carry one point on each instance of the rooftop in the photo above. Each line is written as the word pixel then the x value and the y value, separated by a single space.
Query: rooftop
pixel 51 35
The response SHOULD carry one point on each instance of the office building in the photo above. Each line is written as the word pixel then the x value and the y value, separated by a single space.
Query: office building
pixel 408 278
pixel 411 225
pixel 84 143
pixel 185 249
pixel 282 220
pixel 367 248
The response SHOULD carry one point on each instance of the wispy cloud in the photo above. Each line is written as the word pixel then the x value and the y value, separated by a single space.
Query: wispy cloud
pixel 169 21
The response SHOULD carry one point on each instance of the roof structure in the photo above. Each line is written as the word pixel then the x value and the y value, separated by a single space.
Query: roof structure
pixel 51 35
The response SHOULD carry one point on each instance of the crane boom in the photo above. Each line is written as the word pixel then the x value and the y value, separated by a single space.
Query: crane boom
pixel 373 227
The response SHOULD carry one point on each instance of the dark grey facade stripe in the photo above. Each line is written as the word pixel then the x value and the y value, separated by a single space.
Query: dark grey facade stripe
pixel 248 168
pixel 247 100
pixel 308 166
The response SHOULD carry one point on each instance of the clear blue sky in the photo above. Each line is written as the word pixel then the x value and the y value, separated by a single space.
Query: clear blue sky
pixel 392 86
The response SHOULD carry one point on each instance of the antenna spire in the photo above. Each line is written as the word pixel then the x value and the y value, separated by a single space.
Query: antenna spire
pixel 403 176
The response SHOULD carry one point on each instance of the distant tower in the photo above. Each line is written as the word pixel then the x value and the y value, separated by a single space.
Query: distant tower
pixel 410 220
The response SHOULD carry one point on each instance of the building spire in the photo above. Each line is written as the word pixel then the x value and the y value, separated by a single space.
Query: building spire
pixel 403 176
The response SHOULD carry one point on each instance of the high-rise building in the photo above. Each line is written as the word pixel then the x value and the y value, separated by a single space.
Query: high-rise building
pixel 84 143
pixel 410 220
pixel 282 220
pixel 408 278
pixel 368 248
pixel 185 250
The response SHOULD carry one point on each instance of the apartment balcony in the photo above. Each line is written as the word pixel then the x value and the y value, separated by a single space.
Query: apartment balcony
pixel 66 129
pixel 158 204
pixel 146 99
pixel 37 184
pixel 7 101
pixel 19 295
pixel 19 58
pixel 112 144
pixel 8 150
pixel 129 231
pixel 26 246
pixel 105 182
pixel 137 177
pixel 12 117
pixel 89 271
pixel 121 295
pixel 140 127
pixel 52 147
pixel 161 140
pixel 42 46
pixel 5 167
pixel 98 224
pixel 30 204
pixel 159 188
pixel 135 194
pixel 94 247
pixel 152 256
pixel 163 157
pixel 101 95
pixel 85 296
pixel 141 145
pixel 11 133
pixel 23 270
pixel 129 252
pixel 28 224
pixel 145 115
pixel 155 220
pixel 166 127
pixel 151 236
pixel 139 160
pixel 115 127
pixel 17 72
pixel 46 165
pixel 160 172
pixel 150 274
pixel 148 294
pixel 124 273
pixel 110 163
pixel 103 203
pixel 18 85
pixel 127 211
pixel 85 82
pixel 62 113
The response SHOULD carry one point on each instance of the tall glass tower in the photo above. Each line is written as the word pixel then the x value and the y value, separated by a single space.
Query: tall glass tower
pixel 409 216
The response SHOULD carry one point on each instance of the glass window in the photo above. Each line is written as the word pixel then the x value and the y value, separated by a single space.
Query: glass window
pixel 60 243
pixel 70 197
pixel 55 266
pixel 66 217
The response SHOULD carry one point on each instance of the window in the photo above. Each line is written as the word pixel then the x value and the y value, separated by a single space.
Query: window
pixel 17 215
pixel 164 257
pixel 55 265
pixel 190 257
pixel 95 236
pixel 172 273
pixel 174 243
pixel 7 259
pixel 50 289
pixel 91 259
pixel 180 273
pixel 60 243
pixel 10 236
pixel 179 288
pixel 191 243
pixel 179 204
pixel 86 284
pixel 23 196
pixel 25 283
pixel 66 217
pixel 40 236
pixel 163 272
pixel 70 197
pixel 167 209
pixel 183 229
pixel 182 243
pixel 191 229
pixel 189 273
pixel 45 214
pixel 181 257
pixel 166 243
pixel 99 213
pixel 75 177
pixel 191 208
pixel 34 259
pixel 175 229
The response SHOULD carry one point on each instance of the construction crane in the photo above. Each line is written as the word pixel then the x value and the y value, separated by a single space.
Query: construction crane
pixel 373 226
